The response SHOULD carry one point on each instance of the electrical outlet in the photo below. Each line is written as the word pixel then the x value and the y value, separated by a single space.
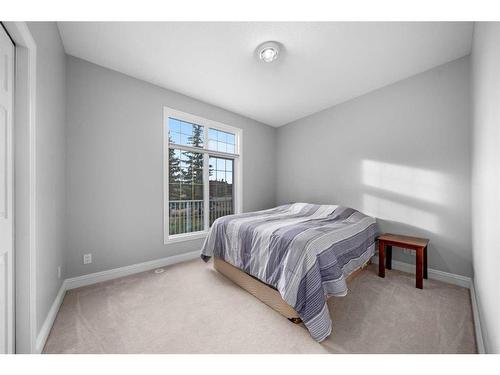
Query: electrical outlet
pixel 59 272
pixel 87 258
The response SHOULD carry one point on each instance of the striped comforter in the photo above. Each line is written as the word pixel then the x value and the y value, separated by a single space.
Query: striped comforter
pixel 305 251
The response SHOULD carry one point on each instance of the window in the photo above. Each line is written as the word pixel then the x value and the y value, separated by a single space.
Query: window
pixel 221 187
pixel 202 174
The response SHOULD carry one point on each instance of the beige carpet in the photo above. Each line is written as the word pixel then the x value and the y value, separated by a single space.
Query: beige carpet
pixel 190 308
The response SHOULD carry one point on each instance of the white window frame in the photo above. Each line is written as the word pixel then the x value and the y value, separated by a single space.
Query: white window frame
pixel 237 169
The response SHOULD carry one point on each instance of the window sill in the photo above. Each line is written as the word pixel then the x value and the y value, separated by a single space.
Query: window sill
pixel 185 237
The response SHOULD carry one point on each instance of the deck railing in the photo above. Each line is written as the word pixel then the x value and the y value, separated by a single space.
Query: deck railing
pixel 220 207
pixel 187 216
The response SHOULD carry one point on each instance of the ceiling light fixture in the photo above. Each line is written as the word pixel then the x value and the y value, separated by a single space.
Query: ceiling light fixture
pixel 268 51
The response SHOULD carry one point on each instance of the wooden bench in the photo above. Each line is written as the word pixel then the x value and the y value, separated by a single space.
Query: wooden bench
pixel 385 244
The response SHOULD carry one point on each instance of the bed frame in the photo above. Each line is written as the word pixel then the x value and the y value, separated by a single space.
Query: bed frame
pixel 266 293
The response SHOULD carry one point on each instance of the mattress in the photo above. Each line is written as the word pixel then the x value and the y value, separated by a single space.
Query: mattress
pixel 304 251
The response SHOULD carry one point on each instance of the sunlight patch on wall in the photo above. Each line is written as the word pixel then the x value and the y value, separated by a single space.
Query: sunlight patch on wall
pixel 389 210
pixel 422 184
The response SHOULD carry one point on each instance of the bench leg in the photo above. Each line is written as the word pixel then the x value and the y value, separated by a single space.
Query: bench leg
pixel 388 257
pixel 425 262
pixel 381 258
pixel 420 268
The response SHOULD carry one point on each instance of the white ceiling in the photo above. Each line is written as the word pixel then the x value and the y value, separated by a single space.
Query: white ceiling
pixel 323 63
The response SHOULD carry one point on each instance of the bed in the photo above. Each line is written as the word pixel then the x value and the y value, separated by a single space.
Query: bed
pixel 293 257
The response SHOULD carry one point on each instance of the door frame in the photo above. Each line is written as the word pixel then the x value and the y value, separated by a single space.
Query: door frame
pixel 25 199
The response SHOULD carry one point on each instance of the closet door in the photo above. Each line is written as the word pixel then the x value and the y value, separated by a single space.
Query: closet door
pixel 6 197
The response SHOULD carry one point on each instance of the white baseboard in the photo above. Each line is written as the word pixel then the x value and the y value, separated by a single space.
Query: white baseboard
pixel 445 277
pixel 477 321
pixel 98 277
pixel 93 278
pixel 49 320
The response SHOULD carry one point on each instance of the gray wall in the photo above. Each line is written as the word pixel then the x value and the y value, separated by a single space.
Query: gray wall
pixel 486 178
pixel 114 167
pixel 400 153
pixel 22 200
pixel 50 158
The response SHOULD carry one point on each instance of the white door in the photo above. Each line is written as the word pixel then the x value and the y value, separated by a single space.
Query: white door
pixel 6 198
